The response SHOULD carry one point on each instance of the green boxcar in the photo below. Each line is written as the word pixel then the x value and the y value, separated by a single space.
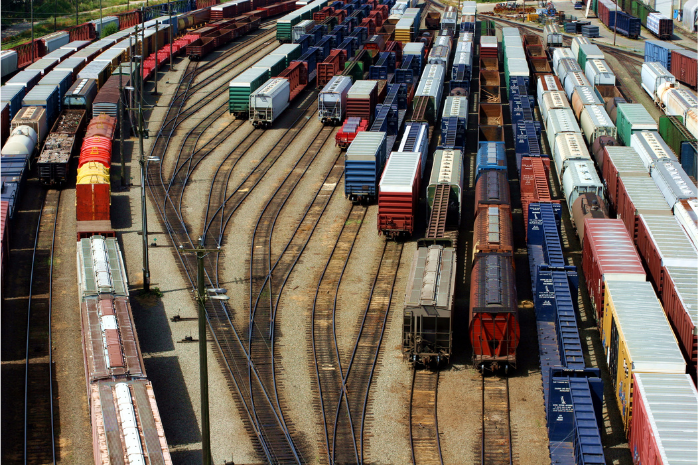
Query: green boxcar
pixel 674 133
pixel 290 51
pixel 632 118
pixel 242 86
pixel 284 27
pixel 274 63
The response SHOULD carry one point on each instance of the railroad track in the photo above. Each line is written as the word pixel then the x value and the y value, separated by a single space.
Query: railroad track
pixel 424 425
pixel 325 360
pixel 496 444
pixel 39 428
pixel 358 371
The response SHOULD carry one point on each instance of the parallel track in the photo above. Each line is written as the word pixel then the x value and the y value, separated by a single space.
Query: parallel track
pixel 424 425
pixel 325 354
pixel 357 374
pixel 496 444
pixel 39 428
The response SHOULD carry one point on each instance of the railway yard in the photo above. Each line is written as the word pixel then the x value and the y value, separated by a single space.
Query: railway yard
pixel 419 239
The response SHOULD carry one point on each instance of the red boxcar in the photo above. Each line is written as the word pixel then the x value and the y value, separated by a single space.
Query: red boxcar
pixel 24 52
pixel 398 194
pixel 534 183
pixel 493 231
pixel 494 313
pixel 678 298
pixel 129 19
pixel 362 99
pixel 608 253
pixel 684 66
pixel 492 188
pixel 297 75
pixel 333 65
pixel 637 196
pixel 85 31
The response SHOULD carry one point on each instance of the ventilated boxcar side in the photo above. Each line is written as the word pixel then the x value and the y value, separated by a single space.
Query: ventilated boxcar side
pixel 429 305
pixel 494 320
pixel 398 194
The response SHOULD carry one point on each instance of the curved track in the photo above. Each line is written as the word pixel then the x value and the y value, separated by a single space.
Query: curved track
pixel 424 425
pixel 39 428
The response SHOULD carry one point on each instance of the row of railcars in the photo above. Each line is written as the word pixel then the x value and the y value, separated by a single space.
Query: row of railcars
pixel 655 203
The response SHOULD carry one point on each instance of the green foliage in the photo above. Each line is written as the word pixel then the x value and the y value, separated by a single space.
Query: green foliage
pixel 109 29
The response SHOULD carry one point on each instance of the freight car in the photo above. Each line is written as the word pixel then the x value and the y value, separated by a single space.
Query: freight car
pixel 398 193
pixel 429 306
pixel 494 319
pixel 363 165
pixel 60 145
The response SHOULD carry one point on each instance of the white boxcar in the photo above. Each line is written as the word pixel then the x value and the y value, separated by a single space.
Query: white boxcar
pixel 332 101
pixel 269 101
pixel 8 62
pixel 677 102
pixel 55 40
pixel 651 147
pixel 580 177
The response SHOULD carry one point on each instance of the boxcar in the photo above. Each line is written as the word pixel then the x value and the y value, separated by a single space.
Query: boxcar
pixel 429 305
pixel 494 319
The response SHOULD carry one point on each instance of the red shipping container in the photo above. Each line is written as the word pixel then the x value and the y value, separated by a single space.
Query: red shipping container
pixel 494 321
pixel 492 188
pixel 608 254
pixel 93 202
pixel 493 218
pixel 672 396
pixel 684 66
pixel 398 194
pixel 637 196
pixel 679 301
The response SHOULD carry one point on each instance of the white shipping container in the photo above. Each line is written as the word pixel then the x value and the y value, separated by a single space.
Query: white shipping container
pixel 655 78
pixel 8 62
pixel 332 101
pixel 55 40
pixel 362 89
pixel 580 177
pixel 561 53
pixel 413 48
pixel 595 122
pixel 651 147
pixel 599 73
pixel 575 79
pixel 518 67
pixel 553 100
pixel 367 146
pixel 576 42
pixel 269 101
pixel 568 146
pixel 673 181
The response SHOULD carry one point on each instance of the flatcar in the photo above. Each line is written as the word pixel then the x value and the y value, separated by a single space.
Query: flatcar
pixel 429 306
pixel 494 315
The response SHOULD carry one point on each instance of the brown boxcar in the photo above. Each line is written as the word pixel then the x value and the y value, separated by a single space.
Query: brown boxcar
pixel 494 314
pixel 534 184
pixel 679 299
pixel 492 231
pixel 492 188
pixel 684 66
pixel 608 254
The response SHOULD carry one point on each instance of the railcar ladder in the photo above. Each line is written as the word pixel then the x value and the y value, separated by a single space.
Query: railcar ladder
pixel 439 211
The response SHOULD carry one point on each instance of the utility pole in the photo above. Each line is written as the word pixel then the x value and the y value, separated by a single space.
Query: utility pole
pixel 169 11
pixel 55 17
pixel 201 252
pixel 101 26
pixel 615 25
pixel 31 6
pixel 144 213
pixel 77 12
pixel 121 129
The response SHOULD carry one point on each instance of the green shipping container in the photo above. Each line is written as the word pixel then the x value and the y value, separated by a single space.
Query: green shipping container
pixel 632 118
pixel 274 63
pixel 290 51
pixel 242 86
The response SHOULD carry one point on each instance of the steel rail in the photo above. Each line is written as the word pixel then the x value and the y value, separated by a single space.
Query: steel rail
pixel 419 412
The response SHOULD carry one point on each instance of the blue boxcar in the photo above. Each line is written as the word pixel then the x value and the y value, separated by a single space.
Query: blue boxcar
pixel 660 51
pixel 405 74
pixel 44 96
pixel 383 67
pixel 452 133
pixel 416 139
pixel 348 45
pixel 12 94
pixel 305 42
pixel 527 141
pixel 363 166
pixel 310 57
pixel 518 86
pixel 361 33
pixel 324 45
pixel 460 79
pixel 522 109
pixel 490 156
pixel 628 25
pixel 689 158
pixel 63 79
pixel 386 120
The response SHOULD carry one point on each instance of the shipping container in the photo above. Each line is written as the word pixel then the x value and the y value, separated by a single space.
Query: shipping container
pixel 97 70
pixel 660 51
pixel 63 79
pixel 13 95
pixel 608 254
pixel 637 338
pixel 27 79
pixel 651 148
pixel 8 62
pixel 663 426
pixel 35 118
pixel 633 118
pixel 398 194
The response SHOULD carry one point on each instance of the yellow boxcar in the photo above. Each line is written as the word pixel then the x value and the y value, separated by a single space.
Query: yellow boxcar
pixel 637 338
